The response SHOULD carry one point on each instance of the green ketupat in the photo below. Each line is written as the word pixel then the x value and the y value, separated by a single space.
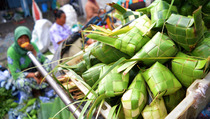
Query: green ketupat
pixel 186 31
pixel 113 83
pixel 129 43
pixel 155 110
pixel 203 49
pixel 135 98
pixel 159 11
pixel 92 74
pixel 159 46
pixel 188 69
pixel 107 54
pixel 161 80
pixel 171 101
pixel 143 23
pixel 127 14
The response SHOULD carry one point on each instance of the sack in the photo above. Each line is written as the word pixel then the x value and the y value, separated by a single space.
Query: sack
pixel 41 34
pixel 71 15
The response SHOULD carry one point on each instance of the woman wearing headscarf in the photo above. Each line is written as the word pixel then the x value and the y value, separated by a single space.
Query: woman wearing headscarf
pixel 25 79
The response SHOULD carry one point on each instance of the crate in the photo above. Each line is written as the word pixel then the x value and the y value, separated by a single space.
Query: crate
pixel 196 99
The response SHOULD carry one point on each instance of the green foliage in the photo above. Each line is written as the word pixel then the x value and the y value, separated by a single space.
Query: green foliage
pixel 6 102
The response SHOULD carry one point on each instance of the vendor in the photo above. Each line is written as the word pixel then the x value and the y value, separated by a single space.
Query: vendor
pixel 91 9
pixel 19 64
pixel 59 31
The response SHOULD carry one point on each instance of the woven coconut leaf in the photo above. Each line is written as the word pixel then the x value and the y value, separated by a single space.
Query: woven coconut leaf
pixel 92 74
pixel 143 23
pixel 186 31
pixel 107 54
pixel 159 46
pixel 127 14
pixel 131 42
pixel 156 110
pixel 161 80
pixel 188 69
pixel 135 98
pixel 113 83
pixel 171 101
pixel 159 13
pixel 203 49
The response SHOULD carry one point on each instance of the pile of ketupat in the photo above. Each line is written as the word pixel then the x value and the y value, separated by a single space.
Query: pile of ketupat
pixel 144 68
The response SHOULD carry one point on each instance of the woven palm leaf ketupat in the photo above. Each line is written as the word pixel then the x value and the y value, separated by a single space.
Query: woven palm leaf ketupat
pixel 161 80
pixel 127 14
pixel 113 83
pixel 188 69
pixel 171 101
pixel 143 23
pixel 159 13
pixel 107 54
pixel 159 46
pixel 135 98
pixel 158 10
pixel 92 74
pixel 186 31
pixel 203 49
pixel 156 110
pixel 129 43
pixel 87 61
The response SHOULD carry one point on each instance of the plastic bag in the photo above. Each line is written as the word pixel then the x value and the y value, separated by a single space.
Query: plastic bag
pixel 41 34
pixel 71 15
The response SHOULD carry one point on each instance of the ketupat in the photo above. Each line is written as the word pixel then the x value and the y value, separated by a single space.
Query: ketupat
pixel 129 43
pixel 186 31
pixel 203 49
pixel 159 46
pixel 156 110
pixel 159 11
pixel 143 23
pixel 107 54
pixel 187 69
pixel 88 61
pixel 135 98
pixel 171 101
pixel 113 83
pixel 127 14
pixel 161 80
pixel 92 74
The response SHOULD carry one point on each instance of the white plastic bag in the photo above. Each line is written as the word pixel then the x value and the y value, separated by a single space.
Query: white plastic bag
pixel 41 34
pixel 71 15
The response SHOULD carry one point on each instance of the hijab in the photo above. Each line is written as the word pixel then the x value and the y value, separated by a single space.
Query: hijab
pixel 19 31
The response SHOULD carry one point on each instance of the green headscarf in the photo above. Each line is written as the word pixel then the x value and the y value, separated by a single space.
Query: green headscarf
pixel 19 31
